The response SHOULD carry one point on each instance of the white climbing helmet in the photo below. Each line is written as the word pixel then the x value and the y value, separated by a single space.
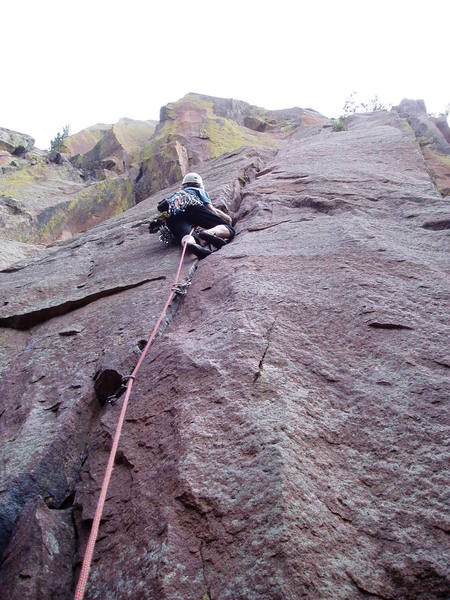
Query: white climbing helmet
pixel 193 178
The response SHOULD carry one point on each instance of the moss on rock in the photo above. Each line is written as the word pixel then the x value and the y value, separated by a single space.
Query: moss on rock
pixel 98 202
pixel 204 128
pixel 14 181
pixel 439 166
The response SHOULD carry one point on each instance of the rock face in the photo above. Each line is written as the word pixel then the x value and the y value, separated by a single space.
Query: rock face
pixel 114 147
pixel 104 169
pixel 286 434
pixel 41 201
pixel 43 543
pixel 14 142
pixel 84 140
pixel 198 128
pixel 12 251
pixel 433 136
pixel 43 197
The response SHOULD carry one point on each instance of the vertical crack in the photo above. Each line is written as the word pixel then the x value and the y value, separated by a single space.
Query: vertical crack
pixel 207 595
pixel 177 301
pixel 258 375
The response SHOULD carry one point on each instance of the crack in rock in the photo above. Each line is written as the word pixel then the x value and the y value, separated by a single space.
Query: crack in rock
pixel 207 595
pixel 258 375
pixel 437 225
pixel 36 317
pixel 377 325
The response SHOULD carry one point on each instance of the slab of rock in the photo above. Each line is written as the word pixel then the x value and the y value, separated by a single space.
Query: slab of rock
pixel 286 434
pixel 38 560
pixel 41 201
pixel 118 148
pixel 12 251
pixel 50 408
pixel 433 137
pixel 14 142
pixel 198 128
pixel 441 123
pixel 84 140
pixel 122 140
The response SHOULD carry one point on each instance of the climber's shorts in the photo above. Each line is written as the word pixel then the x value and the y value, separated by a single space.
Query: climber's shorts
pixel 195 216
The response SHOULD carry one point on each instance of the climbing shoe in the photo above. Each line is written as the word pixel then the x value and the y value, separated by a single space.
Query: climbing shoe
pixel 199 251
pixel 215 240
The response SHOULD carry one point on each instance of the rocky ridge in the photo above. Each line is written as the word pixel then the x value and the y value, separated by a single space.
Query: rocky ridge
pixel 104 169
pixel 46 196
pixel 198 128
pixel 286 436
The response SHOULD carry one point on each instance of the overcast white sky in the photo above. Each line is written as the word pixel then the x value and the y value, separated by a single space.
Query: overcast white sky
pixel 97 61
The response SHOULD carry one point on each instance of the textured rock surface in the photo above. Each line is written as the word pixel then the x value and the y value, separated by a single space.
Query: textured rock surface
pixel 433 137
pixel 198 127
pixel 116 147
pixel 14 142
pixel 12 251
pixel 102 170
pixel 38 562
pixel 286 436
pixel 84 140
pixel 41 201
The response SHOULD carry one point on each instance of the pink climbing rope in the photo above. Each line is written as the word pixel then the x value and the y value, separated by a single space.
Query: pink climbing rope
pixel 89 552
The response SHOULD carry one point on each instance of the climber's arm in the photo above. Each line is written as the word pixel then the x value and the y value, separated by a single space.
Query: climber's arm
pixel 219 213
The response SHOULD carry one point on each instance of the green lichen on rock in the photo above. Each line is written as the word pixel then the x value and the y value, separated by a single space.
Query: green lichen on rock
pixel 439 166
pixel 226 135
pixel 98 202
pixel 15 181
pixel 406 128
pixel 195 116
pixel 198 128
pixel 51 543
pixel 162 133
pixel 125 199
pixel 15 142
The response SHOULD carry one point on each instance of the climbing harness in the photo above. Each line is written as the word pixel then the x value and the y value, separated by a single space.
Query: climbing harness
pixel 89 552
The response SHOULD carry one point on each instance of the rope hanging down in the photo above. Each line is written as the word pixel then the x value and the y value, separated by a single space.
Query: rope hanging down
pixel 89 552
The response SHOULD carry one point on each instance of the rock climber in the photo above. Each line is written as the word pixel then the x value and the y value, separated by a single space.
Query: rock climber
pixel 191 207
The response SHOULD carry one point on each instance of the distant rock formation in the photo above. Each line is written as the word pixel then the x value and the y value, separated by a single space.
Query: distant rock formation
pixel 112 147
pixel 44 198
pixel 198 128
pixel 286 436
pixel 105 169
pixel 14 143
pixel 433 137
pixel 49 196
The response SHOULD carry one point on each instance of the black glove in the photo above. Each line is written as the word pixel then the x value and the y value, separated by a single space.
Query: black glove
pixel 155 225
pixel 163 205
